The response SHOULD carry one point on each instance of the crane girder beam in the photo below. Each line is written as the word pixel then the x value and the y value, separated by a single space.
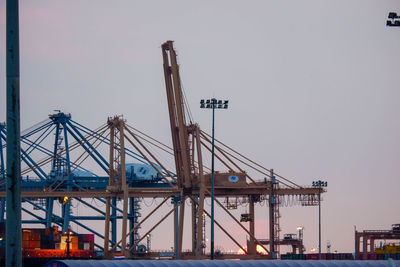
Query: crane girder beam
pixel 256 190
pixel 167 192
pixel 97 193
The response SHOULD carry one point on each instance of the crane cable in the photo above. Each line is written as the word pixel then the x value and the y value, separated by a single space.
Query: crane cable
pixel 74 163
pixel 255 163
pixel 158 146
pixel 71 147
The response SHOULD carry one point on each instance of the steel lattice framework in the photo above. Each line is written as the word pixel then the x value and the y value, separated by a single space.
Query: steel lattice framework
pixel 64 161
pixel 53 154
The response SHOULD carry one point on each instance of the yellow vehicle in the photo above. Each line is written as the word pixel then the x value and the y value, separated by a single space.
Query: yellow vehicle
pixel 391 248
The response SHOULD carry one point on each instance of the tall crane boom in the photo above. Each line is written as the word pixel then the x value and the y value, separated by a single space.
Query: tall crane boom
pixel 186 140
pixel 179 129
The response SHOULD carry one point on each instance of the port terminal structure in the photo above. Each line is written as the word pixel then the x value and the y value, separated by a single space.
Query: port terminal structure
pixel 366 240
pixel 53 157
pixel 288 240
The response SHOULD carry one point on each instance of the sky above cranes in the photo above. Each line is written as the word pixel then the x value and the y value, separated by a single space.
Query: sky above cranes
pixel 312 85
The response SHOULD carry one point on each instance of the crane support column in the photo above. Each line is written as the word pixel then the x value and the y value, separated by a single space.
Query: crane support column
pixel 132 219
pixel 365 247
pixel 175 201
pixel 252 244
pixel 49 211
pixel 195 208
pixel 66 216
pixel 371 245
pixel 111 176
pixel 181 218
pixel 107 229
pixel 200 233
pixel 124 186
pixel 114 220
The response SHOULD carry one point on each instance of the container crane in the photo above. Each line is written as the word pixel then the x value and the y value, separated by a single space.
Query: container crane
pixel 186 138
pixel 190 182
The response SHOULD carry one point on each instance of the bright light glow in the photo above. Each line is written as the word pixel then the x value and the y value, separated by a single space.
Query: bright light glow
pixel 241 252
pixel 259 249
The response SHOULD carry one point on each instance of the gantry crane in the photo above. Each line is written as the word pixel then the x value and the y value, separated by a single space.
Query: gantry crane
pixel 53 155
pixel 190 182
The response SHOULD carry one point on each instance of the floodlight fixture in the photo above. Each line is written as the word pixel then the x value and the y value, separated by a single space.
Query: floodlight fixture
pixel 393 20
pixel 214 103
pixel 393 15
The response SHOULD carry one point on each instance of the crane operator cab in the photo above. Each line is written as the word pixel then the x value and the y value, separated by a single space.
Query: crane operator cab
pixel 396 228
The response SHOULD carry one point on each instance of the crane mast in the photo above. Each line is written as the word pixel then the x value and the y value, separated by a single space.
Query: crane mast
pixel 186 140
pixel 179 129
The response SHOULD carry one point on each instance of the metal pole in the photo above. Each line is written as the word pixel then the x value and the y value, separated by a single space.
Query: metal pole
pixel 132 218
pixel 319 222
pixel 176 228
pixel 68 242
pixel 272 216
pixel 355 243
pixel 212 180
pixel 114 220
pixel 124 187
pixel 13 197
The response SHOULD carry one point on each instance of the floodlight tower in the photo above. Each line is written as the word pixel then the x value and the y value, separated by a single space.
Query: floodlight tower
pixel 213 104
pixel 319 184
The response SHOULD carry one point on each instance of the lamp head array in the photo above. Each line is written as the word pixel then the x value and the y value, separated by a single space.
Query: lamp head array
pixel 214 103
pixel 319 183
pixel 394 20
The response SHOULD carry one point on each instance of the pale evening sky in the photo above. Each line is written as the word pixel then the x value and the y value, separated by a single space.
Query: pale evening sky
pixel 313 89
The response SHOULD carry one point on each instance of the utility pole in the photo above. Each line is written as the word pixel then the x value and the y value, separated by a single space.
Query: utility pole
pixel 13 195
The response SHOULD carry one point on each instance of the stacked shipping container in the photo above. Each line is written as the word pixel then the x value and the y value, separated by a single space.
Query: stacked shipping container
pixel 315 256
pixel 338 256
pixel 49 242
